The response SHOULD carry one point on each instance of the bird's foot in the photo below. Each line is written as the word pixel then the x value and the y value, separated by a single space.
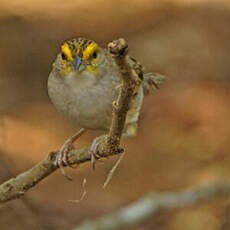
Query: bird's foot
pixel 93 150
pixel 62 159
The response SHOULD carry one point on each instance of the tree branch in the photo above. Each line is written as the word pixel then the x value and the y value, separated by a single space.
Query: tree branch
pixel 149 205
pixel 18 186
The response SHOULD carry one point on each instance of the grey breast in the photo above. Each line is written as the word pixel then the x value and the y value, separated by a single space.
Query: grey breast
pixel 88 106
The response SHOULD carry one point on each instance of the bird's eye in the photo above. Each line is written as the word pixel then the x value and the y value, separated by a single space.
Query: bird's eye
pixel 94 54
pixel 63 56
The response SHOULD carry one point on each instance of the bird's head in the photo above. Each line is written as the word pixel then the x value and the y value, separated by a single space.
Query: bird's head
pixel 79 56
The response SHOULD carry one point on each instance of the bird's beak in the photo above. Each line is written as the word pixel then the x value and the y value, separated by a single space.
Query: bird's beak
pixel 78 64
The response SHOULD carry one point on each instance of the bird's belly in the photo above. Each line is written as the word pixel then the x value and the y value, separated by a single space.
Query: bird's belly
pixel 91 110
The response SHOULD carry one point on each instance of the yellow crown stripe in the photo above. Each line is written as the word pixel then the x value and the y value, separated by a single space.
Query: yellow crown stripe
pixel 66 50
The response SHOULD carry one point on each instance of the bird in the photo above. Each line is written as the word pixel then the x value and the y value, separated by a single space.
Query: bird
pixel 83 84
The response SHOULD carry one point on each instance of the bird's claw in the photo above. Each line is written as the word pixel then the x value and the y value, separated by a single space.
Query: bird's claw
pixel 61 158
pixel 93 151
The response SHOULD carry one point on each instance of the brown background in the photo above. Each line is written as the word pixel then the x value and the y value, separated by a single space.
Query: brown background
pixel 184 132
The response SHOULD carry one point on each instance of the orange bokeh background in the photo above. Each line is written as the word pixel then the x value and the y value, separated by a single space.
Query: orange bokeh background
pixel 184 129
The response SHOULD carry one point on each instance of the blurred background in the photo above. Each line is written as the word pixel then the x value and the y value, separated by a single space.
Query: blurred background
pixel 184 129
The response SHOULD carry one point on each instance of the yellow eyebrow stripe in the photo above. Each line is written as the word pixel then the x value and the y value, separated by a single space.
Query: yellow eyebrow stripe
pixel 66 50
pixel 88 51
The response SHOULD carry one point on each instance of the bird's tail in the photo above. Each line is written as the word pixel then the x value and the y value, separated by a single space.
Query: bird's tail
pixel 152 80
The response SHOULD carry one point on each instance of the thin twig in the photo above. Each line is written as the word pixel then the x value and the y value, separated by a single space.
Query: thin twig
pixel 111 172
